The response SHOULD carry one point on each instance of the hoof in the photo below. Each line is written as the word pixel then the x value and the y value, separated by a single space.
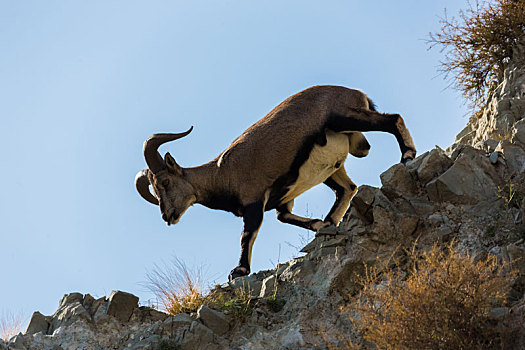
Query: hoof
pixel 408 156
pixel 318 224
pixel 328 230
pixel 239 271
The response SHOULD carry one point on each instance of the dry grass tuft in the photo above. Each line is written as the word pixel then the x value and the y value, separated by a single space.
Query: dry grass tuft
pixel 177 287
pixel 478 44
pixel 443 302
pixel 10 324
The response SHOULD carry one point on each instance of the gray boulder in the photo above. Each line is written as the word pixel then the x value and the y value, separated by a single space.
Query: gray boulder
pixel 468 181
pixel 397 180
pixel 214 320
pixel 121 305
pixel 433 165
pixel 69 311
pixel 514 156
pixel 197 337
pixel 268 287
pixel 38 323
pixel 518 132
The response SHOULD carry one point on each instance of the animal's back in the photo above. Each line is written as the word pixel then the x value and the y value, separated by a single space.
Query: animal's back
pixel 269 148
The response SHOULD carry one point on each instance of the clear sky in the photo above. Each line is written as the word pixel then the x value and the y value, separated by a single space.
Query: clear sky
pixel 84 83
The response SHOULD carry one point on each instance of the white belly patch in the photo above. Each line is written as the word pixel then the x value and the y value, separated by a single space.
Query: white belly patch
pixel 320 165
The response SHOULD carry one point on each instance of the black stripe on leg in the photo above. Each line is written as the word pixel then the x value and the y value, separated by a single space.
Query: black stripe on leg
pixel 363 120
pixel 253 216
pixel 339 192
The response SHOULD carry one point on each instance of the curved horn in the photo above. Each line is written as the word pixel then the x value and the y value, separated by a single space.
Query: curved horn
pixel 151 154
pixel 142 185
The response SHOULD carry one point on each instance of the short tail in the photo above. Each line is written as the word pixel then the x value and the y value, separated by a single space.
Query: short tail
pixel 371 105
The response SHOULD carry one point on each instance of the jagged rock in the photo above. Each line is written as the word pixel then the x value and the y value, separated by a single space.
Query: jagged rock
pixel 421 206
pixel 18 342
pixel 181 319
pixel 514 155
pixel 197 337
pixel 518 132
pixel 337 241
pixel 362 202
pixel 214 320
pixel 71 298
pixel 397 180
pixel 88 302
pixel 176 326
pixel 100 314
pixel 94 306
pixel 438 219
pixel 327 231
pixel 121 305
pixel 347 281
pixel 251 283
pixel 268 286
pixel 38 323
pixel 465 182
pixel 144 314
pixel 433 165
pixel 69 311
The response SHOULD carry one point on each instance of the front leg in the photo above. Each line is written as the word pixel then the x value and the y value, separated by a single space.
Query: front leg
pixel 284 214
pixel 252 217
pixel 344 190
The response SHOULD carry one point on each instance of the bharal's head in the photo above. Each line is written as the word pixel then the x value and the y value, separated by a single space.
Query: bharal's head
pixel 171 191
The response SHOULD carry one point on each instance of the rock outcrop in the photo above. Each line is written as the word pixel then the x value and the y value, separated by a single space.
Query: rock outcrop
pixel 474 192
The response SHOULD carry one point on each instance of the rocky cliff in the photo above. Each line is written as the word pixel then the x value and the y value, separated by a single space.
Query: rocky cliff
pixel 473 192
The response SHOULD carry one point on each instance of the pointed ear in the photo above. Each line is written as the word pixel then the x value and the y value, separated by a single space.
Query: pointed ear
pixel 172 165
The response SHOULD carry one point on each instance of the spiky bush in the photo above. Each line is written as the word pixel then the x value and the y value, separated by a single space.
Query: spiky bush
pixel 177 287
pixel 442 301
pixel 478 44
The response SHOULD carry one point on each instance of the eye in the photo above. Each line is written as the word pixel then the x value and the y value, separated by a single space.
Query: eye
pixel 165 183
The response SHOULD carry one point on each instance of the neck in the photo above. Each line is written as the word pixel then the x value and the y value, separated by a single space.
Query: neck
pixel 202 178
pixel 211 189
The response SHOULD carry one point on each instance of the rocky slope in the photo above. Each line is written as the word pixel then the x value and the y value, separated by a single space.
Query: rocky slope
pixel 473 192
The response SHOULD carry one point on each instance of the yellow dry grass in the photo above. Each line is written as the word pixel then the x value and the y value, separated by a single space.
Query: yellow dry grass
pixel 177 287
pixel 442 302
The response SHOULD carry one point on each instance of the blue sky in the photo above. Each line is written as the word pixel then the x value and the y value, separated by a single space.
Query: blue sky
pixel 84 83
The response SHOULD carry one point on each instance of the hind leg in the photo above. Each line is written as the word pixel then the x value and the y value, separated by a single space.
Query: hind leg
pixel 344 189
pixel 284 214
pixel 359 119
